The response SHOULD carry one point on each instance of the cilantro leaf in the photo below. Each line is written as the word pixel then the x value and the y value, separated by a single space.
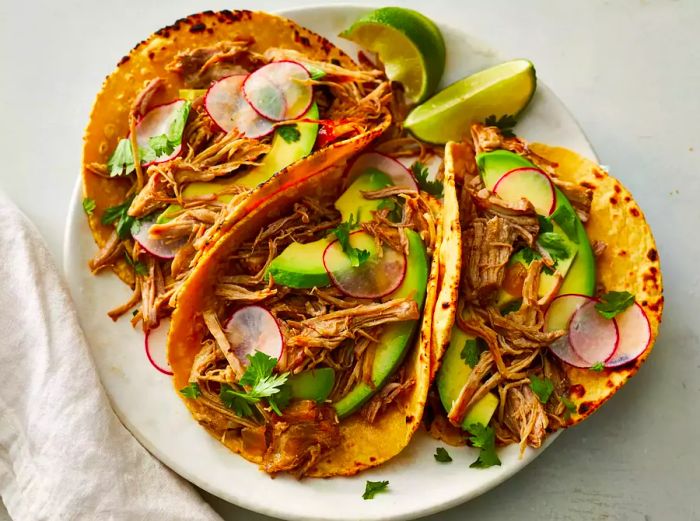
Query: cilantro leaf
pixel 121 162
pixel 372 487
pixel 473 347
pixel 555 245
pixel 613 303
pixel 570 406
pixel 89 205
pixel 530 255
pixel 139 267
pixel 118 216
pixel 484 439
pixel 191 390
pixel 505 124
pixel 263 384
pixel 315 72
pixel 342 232
pixel 420 172
pixel 442 456
pixel 511 307
pixel 542 387
pixel 598 367
pixel 160 145
pixel 566 219
pixel 395 208
pixel 239 403
pixel 545 224
pixel 177 126
pixel 290 133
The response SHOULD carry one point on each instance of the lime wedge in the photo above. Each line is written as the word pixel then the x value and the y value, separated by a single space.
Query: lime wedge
pixel 409 45
pixel 503 89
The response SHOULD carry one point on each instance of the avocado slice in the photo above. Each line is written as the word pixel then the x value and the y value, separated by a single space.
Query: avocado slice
pixel 579 269
pixel 301 265
pixel 280 156
pixel 396 339
pixel 283 154
pixel 452 376
pixel 314 384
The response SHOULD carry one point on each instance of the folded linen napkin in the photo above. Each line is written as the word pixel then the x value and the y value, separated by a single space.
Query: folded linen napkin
pixel 63 452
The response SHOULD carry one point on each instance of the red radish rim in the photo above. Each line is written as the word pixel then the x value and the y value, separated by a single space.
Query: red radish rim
pixel 286 116
pixel 267 311
pixel 177 151
pixel 379 295
pixel 149 248
pixel 617 334
pixel 148 353
pixel 213 119
pixel 649 341
pixel 549 180
pixel 351 165
pixel 565 338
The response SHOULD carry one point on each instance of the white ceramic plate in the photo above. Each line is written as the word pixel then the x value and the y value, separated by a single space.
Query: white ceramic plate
pixel 151 410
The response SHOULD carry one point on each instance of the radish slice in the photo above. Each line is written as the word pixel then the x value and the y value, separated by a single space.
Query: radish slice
pixel 253 328
pixel 156 342
pixel 157 122
pixel 635 335
pixel 279 90
pixel 528 183
pixel 593 338
pixel 228 108
pixel 375 278
pixel 399 174
pixel 557 318
pixel 158 247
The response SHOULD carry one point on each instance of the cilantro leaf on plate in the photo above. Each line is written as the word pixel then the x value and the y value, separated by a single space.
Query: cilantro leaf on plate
pixel 484 439
pixel 372 487
pixel 566 219
pixel 420 172
pixel 613 303
pixel 441 455
pixel 121 162
pixel 139 267
pixel 555 245
pixel 118 216
pixel 542 387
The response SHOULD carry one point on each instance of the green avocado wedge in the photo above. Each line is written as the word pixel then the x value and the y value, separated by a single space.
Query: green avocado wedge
pixel 281 155
pixel 314 384
pixel 452 376
pixel 579 270
pixel 397 338
pixel 504 89
pixel 301 265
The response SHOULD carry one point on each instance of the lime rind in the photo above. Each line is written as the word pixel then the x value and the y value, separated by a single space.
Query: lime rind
pixel 396 34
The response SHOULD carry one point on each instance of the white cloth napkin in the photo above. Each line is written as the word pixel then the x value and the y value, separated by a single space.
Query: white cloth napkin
pixel 63 452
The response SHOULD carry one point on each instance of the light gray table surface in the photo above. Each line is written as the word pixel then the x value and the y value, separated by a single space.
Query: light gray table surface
pixel 630 73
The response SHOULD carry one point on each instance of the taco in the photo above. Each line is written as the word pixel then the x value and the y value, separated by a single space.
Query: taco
pixel 555 300
pixel 223 110
pixel 299 340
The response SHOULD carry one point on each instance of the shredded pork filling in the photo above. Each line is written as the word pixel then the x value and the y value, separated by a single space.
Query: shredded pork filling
pixel 350 102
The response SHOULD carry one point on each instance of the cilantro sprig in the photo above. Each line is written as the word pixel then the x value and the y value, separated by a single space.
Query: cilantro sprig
pixel 122 163
pixel 357 256
pixel 290 133
pixel 542 387
pixel 138 266
pixel 483 438
pixel 420 172
pixel 191 390
pixel 89 205
pixel 373 487
pixel 471 352
pixel 261 383
pixel 505 124
pixel 118 216
pixel 613 303
pixel 598 367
